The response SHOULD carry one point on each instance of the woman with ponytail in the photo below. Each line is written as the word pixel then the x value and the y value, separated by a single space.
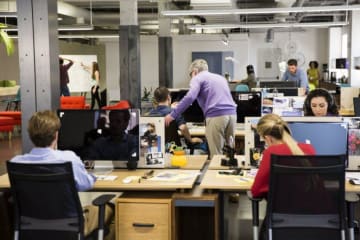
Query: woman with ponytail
pixel 277 137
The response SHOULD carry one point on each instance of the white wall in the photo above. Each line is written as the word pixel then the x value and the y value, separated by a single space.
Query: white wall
pixel 310 43
pixel 313 43
pixel 9 65
pixel 149 54
pixel 184 45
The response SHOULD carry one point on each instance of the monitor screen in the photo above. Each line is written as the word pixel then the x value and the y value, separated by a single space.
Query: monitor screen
pixel 278 84
pixel 193 113
pixel 329 138
pixel 291 91
pixel 248 104
pixel 99 134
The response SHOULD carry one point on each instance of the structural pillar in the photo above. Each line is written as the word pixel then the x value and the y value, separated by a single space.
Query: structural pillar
pixel 130 78
pixel 165 50
pixel 354 55
pixel 38 59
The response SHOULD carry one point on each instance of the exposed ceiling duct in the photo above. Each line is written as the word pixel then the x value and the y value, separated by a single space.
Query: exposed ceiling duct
pixel 188 15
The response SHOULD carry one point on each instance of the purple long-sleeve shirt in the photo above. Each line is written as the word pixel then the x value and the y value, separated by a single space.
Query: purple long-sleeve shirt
pixel 212 93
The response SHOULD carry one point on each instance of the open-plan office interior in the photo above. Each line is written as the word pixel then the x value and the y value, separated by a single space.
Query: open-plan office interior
pixel 141 45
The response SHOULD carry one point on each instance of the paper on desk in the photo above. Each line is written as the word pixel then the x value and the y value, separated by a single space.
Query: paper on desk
pixel 173 176
pixel 352 175
pixel 105 177
pixel 244 180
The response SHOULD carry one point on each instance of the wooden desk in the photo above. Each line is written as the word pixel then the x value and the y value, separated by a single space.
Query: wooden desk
pixel 145 184
pixel 213 181
pixel 215 162
pixel 195 162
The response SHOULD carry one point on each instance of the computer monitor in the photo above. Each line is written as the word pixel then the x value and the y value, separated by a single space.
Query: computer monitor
pixel 291 91
pixel 278 84
pixel 111 135
pixel 328 135
pixel 248 104
pixel 193 113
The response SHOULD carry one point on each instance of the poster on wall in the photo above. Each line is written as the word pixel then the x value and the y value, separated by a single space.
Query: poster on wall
pixel 80 79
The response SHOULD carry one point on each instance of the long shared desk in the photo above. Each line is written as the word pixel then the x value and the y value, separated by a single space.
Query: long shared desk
pixel 174 195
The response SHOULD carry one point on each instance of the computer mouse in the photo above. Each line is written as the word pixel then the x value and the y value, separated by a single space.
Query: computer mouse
pixel 129 179
pixel 354 181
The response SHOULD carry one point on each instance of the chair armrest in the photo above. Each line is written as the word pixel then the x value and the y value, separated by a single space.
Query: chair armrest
pixel 103 199
pixel 255 199
pixel 101 202
pixel 351 199
pixel 255 213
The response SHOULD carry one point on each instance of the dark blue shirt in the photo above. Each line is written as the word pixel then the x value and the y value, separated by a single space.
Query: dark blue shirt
pixel 163 110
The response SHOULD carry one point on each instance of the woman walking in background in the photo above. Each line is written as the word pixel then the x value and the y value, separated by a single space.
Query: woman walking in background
pixel 95 79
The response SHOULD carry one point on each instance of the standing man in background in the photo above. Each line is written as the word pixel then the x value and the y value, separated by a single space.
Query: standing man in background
pixel 213 95
pixel 64 76
pixel 293 73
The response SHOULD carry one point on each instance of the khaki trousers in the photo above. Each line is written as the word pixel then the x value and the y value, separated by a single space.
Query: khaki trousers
pixel 219 130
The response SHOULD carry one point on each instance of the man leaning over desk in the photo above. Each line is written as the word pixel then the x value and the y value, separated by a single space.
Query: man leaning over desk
pixel 214 97
pixel 293 73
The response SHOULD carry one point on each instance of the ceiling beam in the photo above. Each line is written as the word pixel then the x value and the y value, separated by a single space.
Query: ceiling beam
pixel 210 12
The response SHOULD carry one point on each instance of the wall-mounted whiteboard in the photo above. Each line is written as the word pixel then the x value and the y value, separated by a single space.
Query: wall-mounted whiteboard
pixel 80 79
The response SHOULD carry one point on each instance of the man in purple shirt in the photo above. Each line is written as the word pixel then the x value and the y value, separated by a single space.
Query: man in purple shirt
pixel 64 76
pixel 213 95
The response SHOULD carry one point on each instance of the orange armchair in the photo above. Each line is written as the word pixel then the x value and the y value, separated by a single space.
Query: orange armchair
pixel 122 104
pixel 73 102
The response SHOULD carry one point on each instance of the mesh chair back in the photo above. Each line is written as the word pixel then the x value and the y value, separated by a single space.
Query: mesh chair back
pixel 46 200
pixel 356 102
pixel 306 192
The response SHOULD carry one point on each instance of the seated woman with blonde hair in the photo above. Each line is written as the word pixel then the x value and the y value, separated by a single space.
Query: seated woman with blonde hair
pixel 277 136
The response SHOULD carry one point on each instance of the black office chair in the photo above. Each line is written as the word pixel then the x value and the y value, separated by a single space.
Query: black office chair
pixel 306 199
pixel 46 202
pixel 356 101
pixel 172 135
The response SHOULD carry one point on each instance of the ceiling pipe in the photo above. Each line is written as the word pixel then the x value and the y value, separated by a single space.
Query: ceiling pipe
pixel 211 12
pixel 269 25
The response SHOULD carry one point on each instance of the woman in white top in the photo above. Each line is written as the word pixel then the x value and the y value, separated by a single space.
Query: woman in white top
pixel 95 79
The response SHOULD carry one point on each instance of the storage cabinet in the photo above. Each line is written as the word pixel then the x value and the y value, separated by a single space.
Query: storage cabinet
pixel 143 217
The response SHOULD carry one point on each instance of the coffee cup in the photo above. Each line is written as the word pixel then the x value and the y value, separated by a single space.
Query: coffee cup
pixel 132 165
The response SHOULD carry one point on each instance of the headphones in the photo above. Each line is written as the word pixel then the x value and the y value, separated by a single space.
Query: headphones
pixel 319 92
